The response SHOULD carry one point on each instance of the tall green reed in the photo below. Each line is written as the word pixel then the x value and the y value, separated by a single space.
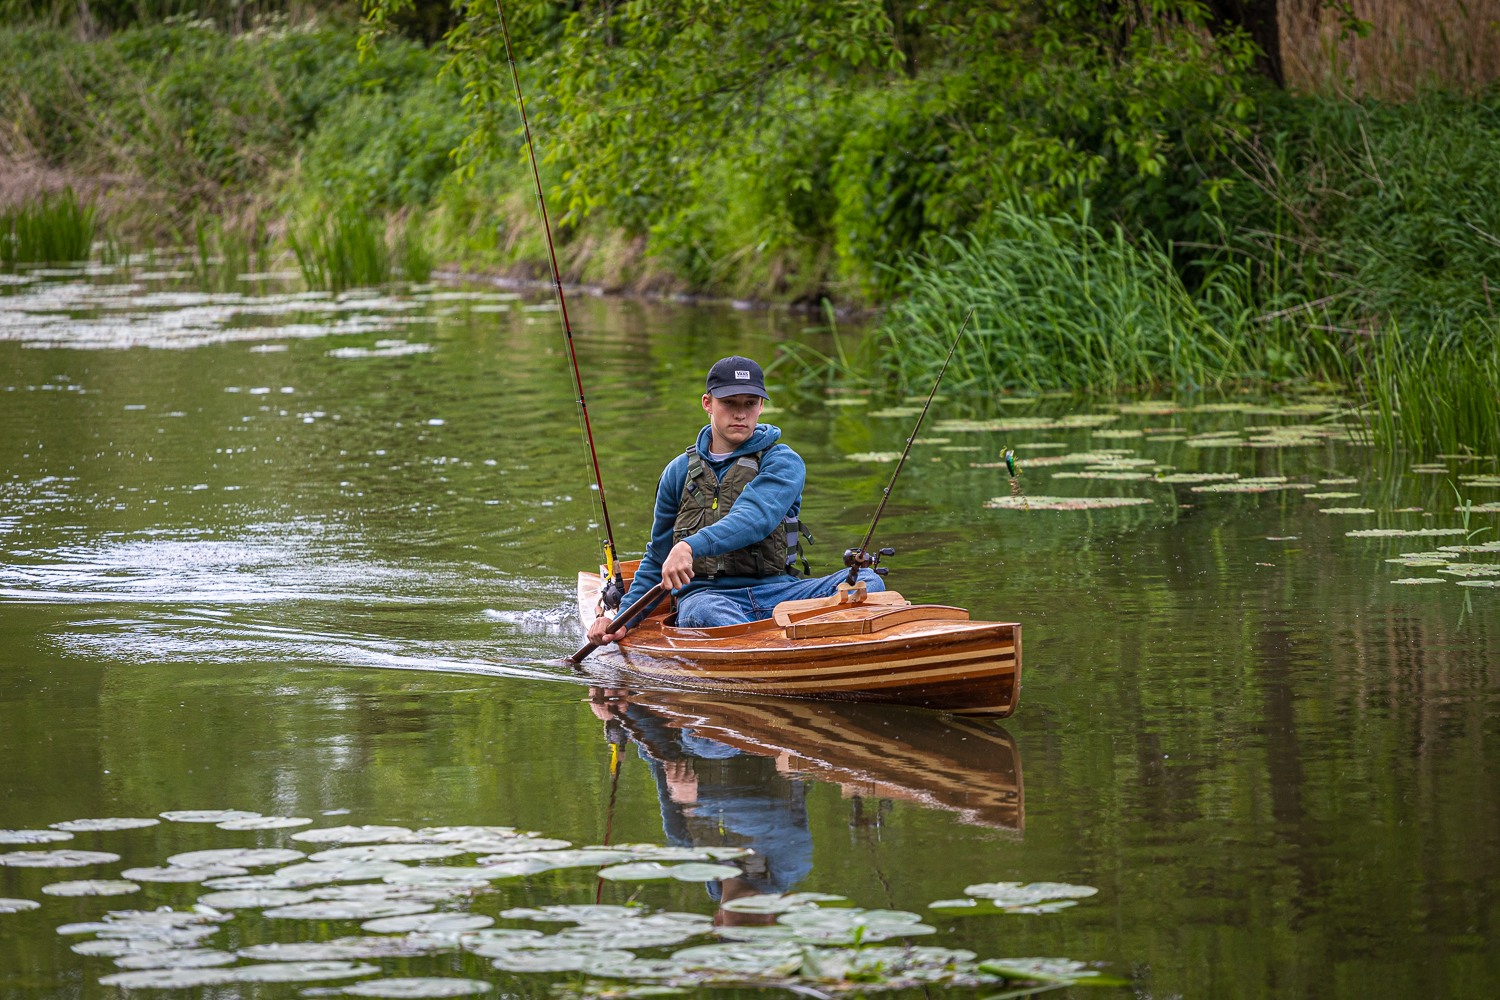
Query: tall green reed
pixel 222 252
pixel 1058 303
pixel 50 228
pixel 344 249
pixel 1437 393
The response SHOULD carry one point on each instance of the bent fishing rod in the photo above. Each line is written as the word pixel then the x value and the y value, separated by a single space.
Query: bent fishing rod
pixel 862 558
pixel 614 584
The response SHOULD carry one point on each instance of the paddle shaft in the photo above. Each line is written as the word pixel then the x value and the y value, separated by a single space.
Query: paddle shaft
pixel 864 546
pixel 640 607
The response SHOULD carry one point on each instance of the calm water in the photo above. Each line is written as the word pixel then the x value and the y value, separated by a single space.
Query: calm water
pixel 315 558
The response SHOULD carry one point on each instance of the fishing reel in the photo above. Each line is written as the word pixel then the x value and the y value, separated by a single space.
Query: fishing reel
pixel 858 559
pixel 611 594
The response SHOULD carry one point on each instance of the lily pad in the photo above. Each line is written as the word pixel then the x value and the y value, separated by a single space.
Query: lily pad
pixel 1346 510
pixel 104 825
pixel 299 972
pixel 1471 569
pixel 248 857
pixel 455 834
pixel 770 903
pixel 1051 970
pixel 178 958
pixel 873 456
pixel 1430 467
pixel 1329 496
pixel 56 859
pixel 345 948
pixel 390 852
pixel 1064 503
pixel 167 979
pixel 1412 580
pixel 527 845
pixel 1117 476
pixel 423 986
pixel 749 959
pixel 1480 508
pixel 1338 481
pixel 313 872
pixel 254 899
pixel 265 823
pixel 351 834
pixel 896 411
pixel 1478 583
pixel 430 923
pixel 261 882
pixel 646 871
pixel 554 960
pixel 840 926
pixel 1403 532
pixel 1482 547
pixel 1016 894
pixel 92 887
pixel 1073 421
pixel 577 913
pixel 1188 478
pixel 33 836
pixel 1259 484
pixel 116 947
pixel 454 875
pixel 540 861
pixel 182 873
pixel 496 940
pixel 17 905
pixel 208 815
pixel 384 890
pixel 350 909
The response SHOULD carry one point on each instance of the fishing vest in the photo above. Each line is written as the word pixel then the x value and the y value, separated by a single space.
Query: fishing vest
pixel 704 501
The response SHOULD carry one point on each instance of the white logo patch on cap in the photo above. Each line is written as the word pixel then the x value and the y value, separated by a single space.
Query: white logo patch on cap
pixel 740 374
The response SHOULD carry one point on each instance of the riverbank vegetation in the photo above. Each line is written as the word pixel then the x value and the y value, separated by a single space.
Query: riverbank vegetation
pixel 1130 194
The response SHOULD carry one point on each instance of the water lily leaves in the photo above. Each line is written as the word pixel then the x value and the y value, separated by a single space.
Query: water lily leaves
pixel 1346 510
pixel 182 873
pixel 1483 547
pixel 1412 580
pixel 91 887
pixel 574 913
pixel 1188 478
pixel 115 947
pixel 260 882
pixel 496 940
pixel 1403 532
pixel 846 926
pixel 554 960
pixel 167 979
pixel 254 899
pixel 770 903
pixel 104 825
pixel 423 986
pixel 1117 476
pixel 1052 970
pixel 264 823
pixel 389 852
pixel 1338 481
pixel 873 456
pixel 248 857
pixel 1258 484
pixel 177 958
pixel 299 972
pixel 446 876
pixel 896 411
pixel 33 836
pixel 1329 496
pixel 56 859
pixel 17 905
pixel 749 959
pixel 1471 569
pixel 1480 508
pixel 645 871
pixel 208 815
pixel 609 964
pixel 348 909
pixel 1478 583
pixel 385 890
pixel 773 932
pixel 1015 894
pixel 352 834
pixel 430 923
pixel 313 872
pixel 526 845
pixel 455 834
pixel 1064 503
pixel 541 861
pixel 1072 421
pixel 344 948
pixel 1430 467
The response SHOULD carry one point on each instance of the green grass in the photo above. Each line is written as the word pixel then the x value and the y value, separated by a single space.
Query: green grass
pixel 1436 394
pixel 52 228
pixel 344 249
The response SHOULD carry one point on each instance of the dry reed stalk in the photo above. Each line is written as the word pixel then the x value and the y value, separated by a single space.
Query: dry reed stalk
pixel 1412 44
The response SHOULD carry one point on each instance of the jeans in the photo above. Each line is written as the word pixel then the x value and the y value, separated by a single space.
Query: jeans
pixel 709 607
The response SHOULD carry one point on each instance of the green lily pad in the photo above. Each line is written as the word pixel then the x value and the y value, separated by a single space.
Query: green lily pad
pixel 874 456
pixel 785 903
pixel 33 836
pixel 525 845
pixel 1260 484
pixel 455 834
pixel 646 871
pixel 1338 481
pixel 253 899
pixel 346 948
pixel 208 815
pixel 1478 583
pixel 554 960
pixel 104 825
pixel 314 872
pixel 92 887
pixel 1199 477
pixel 1346 510
pixel 1064 503
pixel 299 972
pixel 178 958
pixel 17 905
pixel 1329 496
pixel 182 873
pixel 1056 970
pixel 346 910
pixel 410 987
pixel 1403 532
pixel 1430 467
pixel 1010 894
pixel 846 926
pixel 896 411
pixel 574 913
pixel 1471 569
pixel 390 852
pixel 116 947
pixel 248 857
pixel 748 959
pixel 429 923
pixel 167 979
pixel 56 859
pixel 1073 421
pixel 1482 547
pixel 1118 476
pixel 264 823
pixel 1480 508
pixel 1414 580
pixel 351 834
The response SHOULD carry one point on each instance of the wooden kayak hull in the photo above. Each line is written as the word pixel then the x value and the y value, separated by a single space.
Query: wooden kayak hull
pixel 962 667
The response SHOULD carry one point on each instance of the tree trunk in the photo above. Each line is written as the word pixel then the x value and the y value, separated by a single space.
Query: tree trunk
pixel 1258 18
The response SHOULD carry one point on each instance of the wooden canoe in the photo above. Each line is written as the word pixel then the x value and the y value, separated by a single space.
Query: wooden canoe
pixel 969 768
pixel 883 649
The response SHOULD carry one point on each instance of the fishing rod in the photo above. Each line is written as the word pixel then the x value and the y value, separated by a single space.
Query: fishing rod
pixel 614 584
pixel 862 557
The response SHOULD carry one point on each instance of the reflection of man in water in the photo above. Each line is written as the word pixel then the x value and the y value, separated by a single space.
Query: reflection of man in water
pixel 712 795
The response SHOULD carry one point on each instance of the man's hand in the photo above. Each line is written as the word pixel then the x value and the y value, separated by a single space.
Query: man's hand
pixel 600 634
pixel 677 571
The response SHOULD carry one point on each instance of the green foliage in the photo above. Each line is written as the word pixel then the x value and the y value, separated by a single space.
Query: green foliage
pixel 342 249
pixel 223 252
pixel 1437 394
pixel 50 228
pixel 413 252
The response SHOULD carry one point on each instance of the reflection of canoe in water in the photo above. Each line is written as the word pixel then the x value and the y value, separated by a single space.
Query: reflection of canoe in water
pixel 870 752
pixel 883 649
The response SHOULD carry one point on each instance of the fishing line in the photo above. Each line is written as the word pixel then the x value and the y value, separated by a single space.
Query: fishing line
pixel 613 583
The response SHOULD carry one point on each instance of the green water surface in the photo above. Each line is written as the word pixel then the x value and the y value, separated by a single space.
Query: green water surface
pixel 341 598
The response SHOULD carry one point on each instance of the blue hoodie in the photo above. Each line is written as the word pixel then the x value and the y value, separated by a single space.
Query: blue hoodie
pixel 774 493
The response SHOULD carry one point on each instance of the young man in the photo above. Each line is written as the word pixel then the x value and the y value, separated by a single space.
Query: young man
pixel 726 526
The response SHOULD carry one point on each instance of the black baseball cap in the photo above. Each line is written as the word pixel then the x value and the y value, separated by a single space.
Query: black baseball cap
pixel 736 376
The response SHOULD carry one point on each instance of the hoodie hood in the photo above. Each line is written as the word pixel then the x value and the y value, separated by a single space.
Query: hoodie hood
pixel 761 438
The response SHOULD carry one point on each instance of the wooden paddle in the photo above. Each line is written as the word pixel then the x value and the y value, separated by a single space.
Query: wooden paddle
pixel 638 609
